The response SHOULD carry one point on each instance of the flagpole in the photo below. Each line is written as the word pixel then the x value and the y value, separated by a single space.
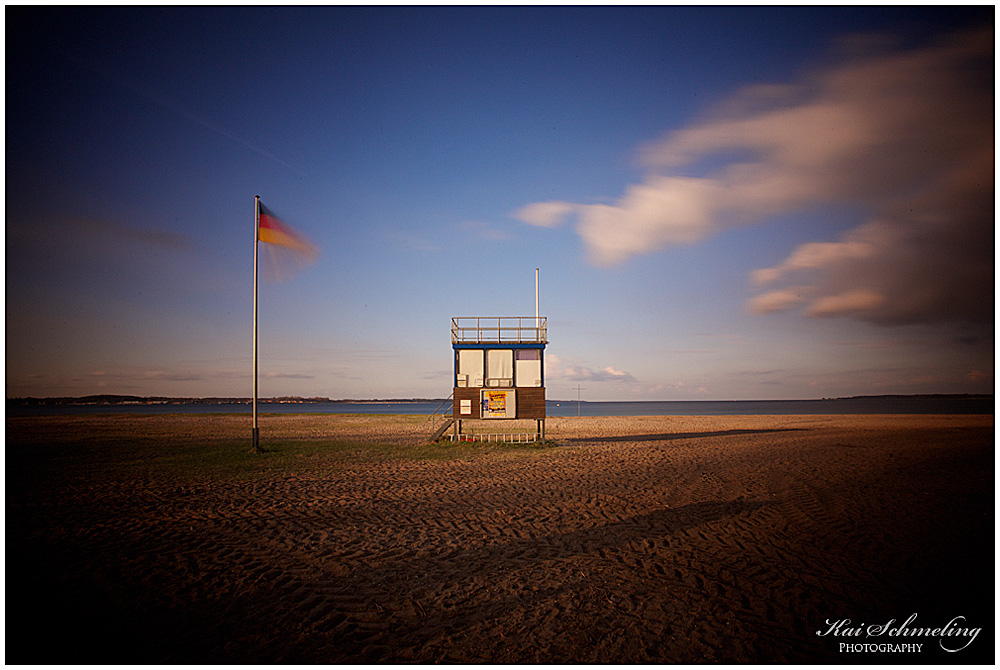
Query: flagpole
pixel 256 235
pixel 538 323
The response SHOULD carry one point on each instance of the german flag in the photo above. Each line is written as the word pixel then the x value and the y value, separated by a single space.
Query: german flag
pixel 273 230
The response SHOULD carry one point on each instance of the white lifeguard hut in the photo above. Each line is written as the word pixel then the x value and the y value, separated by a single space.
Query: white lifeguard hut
pixel 499 373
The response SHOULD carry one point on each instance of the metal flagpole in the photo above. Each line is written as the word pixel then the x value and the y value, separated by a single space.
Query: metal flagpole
pixel 256 235
pixel 537 323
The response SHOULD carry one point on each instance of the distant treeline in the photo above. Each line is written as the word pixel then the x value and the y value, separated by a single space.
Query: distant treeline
pixel 920 395
pixel 107 399
pixel 161 400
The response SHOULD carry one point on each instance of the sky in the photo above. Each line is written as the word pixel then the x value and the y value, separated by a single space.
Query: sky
pixel 723 203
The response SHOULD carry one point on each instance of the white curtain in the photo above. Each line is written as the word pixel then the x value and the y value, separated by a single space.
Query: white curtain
pixel 529 368
pixel 499 366
pixel 470 362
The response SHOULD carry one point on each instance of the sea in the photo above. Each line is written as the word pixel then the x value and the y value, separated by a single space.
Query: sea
pixel 558 408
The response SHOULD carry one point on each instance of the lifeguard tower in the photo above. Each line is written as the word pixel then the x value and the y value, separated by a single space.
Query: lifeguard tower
pixel 499 374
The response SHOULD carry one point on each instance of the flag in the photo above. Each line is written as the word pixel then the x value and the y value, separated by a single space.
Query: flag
pixel 284 238
pixel 273 230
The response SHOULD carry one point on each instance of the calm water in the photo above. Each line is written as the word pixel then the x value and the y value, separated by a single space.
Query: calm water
pixel 871 405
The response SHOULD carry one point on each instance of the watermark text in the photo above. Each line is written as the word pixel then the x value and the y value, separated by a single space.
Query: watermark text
pixel 953 636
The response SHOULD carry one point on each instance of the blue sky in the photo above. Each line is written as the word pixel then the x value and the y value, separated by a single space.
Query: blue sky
pixel 724 202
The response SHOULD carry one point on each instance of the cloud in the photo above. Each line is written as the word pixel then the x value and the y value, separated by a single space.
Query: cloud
pixel 105 236
pixel 976 376
pixel 815 255
pixel 930 260
pixel 860 300
pixel 89 228
pixel 558 368
pixel 410 241
pixel 104 377
pixel 905 137
pixel 775 301
pixel 545 214
pixel 485 231
pixel 665 211
pixel 757 373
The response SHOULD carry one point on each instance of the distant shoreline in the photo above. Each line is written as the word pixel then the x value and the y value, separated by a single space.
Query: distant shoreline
pixel 111 399
pixel 158 400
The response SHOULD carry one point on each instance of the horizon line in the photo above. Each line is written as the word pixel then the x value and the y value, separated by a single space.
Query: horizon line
pixel 324 399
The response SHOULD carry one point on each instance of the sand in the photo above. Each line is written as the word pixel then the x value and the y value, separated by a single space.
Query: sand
pixel 635 540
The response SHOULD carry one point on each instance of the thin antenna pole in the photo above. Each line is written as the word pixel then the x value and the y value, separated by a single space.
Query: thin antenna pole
pixel 537 322
pixel 256 235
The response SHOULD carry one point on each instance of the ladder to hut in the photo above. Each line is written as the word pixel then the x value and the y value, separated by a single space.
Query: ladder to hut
pixel 446 420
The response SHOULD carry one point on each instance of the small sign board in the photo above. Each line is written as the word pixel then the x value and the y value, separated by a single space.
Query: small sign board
pixel 499 404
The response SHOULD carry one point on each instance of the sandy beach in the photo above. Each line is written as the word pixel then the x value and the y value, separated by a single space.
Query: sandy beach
pixel 627 540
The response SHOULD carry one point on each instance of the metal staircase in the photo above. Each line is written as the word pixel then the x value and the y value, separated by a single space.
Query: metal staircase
pixel 441 429
pixel 436 415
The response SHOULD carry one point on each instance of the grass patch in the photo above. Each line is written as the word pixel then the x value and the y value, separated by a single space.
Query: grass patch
pixel 198 447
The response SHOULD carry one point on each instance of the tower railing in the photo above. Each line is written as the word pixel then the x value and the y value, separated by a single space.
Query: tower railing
pixel 499 329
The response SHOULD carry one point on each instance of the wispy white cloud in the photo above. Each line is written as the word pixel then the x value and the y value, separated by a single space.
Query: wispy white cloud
pixel 410 241
pixel 130 378
pixel 485 231
pixel 122 232
pixel 776 301
pixel 288 375
pixel 567 369
pixel 545 214
pixel 104 377
pixel 816 255
pixel 905 135
pixel 859 300
pixel 93 235
pixel 978 376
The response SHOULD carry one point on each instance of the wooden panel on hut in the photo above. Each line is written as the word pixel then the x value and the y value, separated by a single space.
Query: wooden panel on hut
pixel 471 395
pixel 531 402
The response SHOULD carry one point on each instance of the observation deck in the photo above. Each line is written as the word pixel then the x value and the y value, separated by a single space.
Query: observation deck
pixel 499 330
